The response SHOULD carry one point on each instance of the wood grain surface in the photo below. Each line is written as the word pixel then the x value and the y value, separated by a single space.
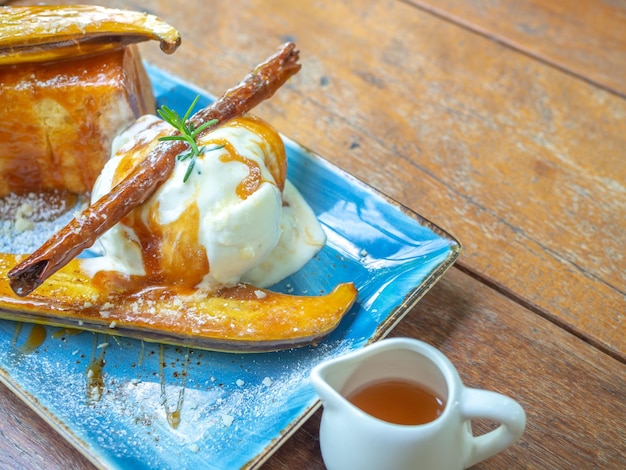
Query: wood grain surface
pixel 585 39
pixel 502 122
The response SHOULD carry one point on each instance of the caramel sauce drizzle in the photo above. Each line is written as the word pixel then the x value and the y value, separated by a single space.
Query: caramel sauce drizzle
pixel 66 332
pixel 94 374
pixel 271 145
pixel 252 181
pixel 173 415
pixel 35 338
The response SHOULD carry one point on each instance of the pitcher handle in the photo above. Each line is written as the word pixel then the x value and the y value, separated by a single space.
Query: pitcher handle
pixel 484 404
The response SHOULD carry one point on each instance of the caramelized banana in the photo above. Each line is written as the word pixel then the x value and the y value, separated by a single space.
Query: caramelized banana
pixel 243 318
pixel 47 33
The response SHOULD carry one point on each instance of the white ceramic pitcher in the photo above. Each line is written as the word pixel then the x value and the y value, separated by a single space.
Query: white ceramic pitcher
pixel 353 439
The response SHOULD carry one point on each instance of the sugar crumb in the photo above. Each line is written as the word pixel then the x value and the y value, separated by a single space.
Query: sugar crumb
pixel 194 448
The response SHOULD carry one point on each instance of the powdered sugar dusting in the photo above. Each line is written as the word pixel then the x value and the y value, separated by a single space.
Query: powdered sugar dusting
pixel 28 220
pixel 220 401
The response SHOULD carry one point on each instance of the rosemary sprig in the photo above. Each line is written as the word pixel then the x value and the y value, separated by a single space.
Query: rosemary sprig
pixel 188 134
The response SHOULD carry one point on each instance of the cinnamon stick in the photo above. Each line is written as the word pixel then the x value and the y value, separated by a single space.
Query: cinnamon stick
pixel 82 231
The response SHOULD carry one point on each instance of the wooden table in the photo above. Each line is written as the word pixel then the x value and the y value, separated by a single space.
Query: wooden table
pixel 504 122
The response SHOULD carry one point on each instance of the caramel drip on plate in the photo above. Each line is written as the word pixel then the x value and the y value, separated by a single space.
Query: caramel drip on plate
pixel 173 416
pixel 94 375
pixel 36 337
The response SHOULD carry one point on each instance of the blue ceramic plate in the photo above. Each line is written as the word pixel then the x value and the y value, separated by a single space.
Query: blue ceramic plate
pixel 129 404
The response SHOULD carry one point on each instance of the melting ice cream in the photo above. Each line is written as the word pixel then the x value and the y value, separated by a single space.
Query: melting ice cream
pixel 236 219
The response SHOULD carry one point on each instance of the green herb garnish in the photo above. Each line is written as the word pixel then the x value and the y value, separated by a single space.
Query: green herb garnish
pixel 188 134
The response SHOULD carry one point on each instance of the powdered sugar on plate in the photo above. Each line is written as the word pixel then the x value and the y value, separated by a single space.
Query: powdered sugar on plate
pixel 28 220
pixel 190 407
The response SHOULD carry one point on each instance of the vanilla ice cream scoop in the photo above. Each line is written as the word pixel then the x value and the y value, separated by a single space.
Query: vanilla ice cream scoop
pixel 235 219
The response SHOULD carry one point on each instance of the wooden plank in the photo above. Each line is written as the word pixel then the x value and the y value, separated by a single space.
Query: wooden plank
pixel 585 38
pixel 573 394
pixel 525 164
pixel 27 442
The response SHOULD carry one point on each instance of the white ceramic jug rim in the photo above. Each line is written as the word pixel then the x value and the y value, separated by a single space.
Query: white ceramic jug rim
pixel 443 364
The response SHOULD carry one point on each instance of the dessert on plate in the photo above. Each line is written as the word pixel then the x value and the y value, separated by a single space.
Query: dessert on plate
pixel 192 218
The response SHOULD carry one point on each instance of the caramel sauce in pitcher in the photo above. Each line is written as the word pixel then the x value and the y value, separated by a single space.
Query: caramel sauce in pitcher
pixel 398 401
